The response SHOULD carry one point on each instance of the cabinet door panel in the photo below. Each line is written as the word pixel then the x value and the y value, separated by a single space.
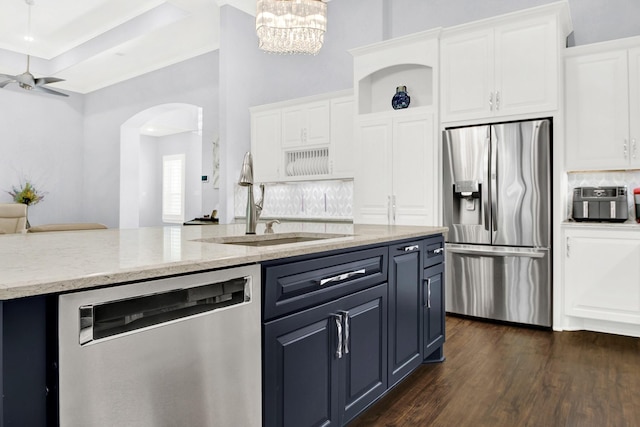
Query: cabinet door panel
pixel 318 124
pixel 300 370
pixel 372 183
pixel 405 310
pixel 414 170
pixel 467 75
pixel 434 319
pixel 526 67
pixel 597 111
pixel 265 145
pixel 342 134
pixel 293 123
pixel 634 106
pixel 365 365
pixel 602 276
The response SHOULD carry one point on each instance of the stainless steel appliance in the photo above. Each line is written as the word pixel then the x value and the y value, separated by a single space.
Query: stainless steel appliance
pixel 496 199
pixel 181 351
pixel 600 204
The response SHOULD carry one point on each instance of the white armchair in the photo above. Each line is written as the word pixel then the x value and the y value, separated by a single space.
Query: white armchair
pixel 13 218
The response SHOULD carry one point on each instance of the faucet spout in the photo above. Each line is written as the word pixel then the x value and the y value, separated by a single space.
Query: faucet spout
pixel 246 180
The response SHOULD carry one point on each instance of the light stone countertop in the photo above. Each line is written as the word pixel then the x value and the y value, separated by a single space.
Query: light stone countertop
pixel 44 263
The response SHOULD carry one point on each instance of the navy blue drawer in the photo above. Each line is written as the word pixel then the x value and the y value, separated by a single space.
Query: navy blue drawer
pixel 293 286
pixel 433 251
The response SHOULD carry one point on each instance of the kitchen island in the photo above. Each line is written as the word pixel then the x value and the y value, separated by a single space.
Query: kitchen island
pixel 36 268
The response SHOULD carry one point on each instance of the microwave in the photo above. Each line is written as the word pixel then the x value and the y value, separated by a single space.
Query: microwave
pixel 607 204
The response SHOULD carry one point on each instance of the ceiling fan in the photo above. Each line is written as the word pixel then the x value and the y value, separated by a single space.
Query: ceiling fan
pixel 27 81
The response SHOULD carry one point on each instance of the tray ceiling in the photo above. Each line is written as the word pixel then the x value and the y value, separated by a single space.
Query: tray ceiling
pixel 95 43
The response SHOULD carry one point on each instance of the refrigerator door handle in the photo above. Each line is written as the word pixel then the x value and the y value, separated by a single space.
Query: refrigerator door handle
pixel 485 198
pixel 494 184
pixel 529 253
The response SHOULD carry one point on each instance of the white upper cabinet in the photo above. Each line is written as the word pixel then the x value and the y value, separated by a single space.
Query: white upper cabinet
pixel 503 66
pixel 303 139
pixel 396 151
pixel 603 107
pixel 306 124
pixel 265 145
pixel 341 152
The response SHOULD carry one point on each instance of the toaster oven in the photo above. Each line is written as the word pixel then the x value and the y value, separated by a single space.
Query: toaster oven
pixel 607 204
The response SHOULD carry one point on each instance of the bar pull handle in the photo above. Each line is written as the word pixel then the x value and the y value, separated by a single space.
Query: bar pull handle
pixel 491 101
pixel 342 276
pixel 438 251
pixel 633 148
pixel 393 209
pixel 485 193
pixel 497 100
pixel 338 320
pixel 427 303
pixel 624 148
pixel 409 248
pixel 345 322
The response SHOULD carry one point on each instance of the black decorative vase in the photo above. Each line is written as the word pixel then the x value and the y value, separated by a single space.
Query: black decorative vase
pixel 401 99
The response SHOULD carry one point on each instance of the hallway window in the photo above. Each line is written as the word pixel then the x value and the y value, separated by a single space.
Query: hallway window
pixel 173 188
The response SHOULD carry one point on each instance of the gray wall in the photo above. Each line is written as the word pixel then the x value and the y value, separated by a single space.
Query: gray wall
pixel 249 76
pixel 194 81
pixel 41 141
pixel 593 20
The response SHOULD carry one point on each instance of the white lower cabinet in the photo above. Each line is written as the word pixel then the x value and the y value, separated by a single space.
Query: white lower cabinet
pixel 601 279
pixel 396 172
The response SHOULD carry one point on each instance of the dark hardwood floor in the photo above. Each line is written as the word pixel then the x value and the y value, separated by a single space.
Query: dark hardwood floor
pixel 498 375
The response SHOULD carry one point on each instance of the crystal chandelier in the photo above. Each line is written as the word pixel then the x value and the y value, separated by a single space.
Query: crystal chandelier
pixel 291 26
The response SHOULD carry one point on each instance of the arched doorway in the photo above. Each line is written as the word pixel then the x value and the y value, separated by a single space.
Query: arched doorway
pixel 147 137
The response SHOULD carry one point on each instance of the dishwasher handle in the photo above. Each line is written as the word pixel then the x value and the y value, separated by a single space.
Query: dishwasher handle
pixel 114 318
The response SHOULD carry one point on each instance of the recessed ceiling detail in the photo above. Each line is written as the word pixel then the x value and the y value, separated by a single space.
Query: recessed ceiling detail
pixel 95 43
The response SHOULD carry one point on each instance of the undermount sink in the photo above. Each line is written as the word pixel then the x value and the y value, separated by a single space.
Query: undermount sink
pixel 272 239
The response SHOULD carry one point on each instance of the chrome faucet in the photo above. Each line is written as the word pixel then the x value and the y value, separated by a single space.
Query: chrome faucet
pixel 254 209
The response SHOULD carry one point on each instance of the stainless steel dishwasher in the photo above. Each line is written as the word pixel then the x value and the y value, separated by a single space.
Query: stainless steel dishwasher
pixel 180 351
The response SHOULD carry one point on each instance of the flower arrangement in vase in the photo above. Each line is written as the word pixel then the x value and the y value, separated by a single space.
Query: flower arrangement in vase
pixel 26 194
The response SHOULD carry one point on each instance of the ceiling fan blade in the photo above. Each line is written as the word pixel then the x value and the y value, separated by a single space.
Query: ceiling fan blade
pixel 44 80
pixel 8 76
pixel 49 91
pixel 6 82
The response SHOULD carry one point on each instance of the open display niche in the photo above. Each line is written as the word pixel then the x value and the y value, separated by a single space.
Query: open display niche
pixel 376 90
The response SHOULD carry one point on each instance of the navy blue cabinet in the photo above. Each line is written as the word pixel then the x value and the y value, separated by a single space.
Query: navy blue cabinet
pixel 341 328
pixel 324 365
pixel 405 309
pixel 433 300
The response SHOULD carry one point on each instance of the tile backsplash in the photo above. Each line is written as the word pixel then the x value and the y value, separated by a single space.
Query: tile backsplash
pixel 331 200
pixel 630 179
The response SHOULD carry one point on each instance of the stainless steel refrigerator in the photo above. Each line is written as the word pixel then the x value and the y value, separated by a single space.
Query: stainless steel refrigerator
pixel 497 205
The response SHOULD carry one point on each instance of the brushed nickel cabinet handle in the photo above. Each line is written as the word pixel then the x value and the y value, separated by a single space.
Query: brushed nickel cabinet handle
pixel 338 320
pixel 345 322
pixel 427 303
pixel 409 248
pixel 343 276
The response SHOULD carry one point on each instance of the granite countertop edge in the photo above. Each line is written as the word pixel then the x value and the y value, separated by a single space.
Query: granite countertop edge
pixel 58 262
